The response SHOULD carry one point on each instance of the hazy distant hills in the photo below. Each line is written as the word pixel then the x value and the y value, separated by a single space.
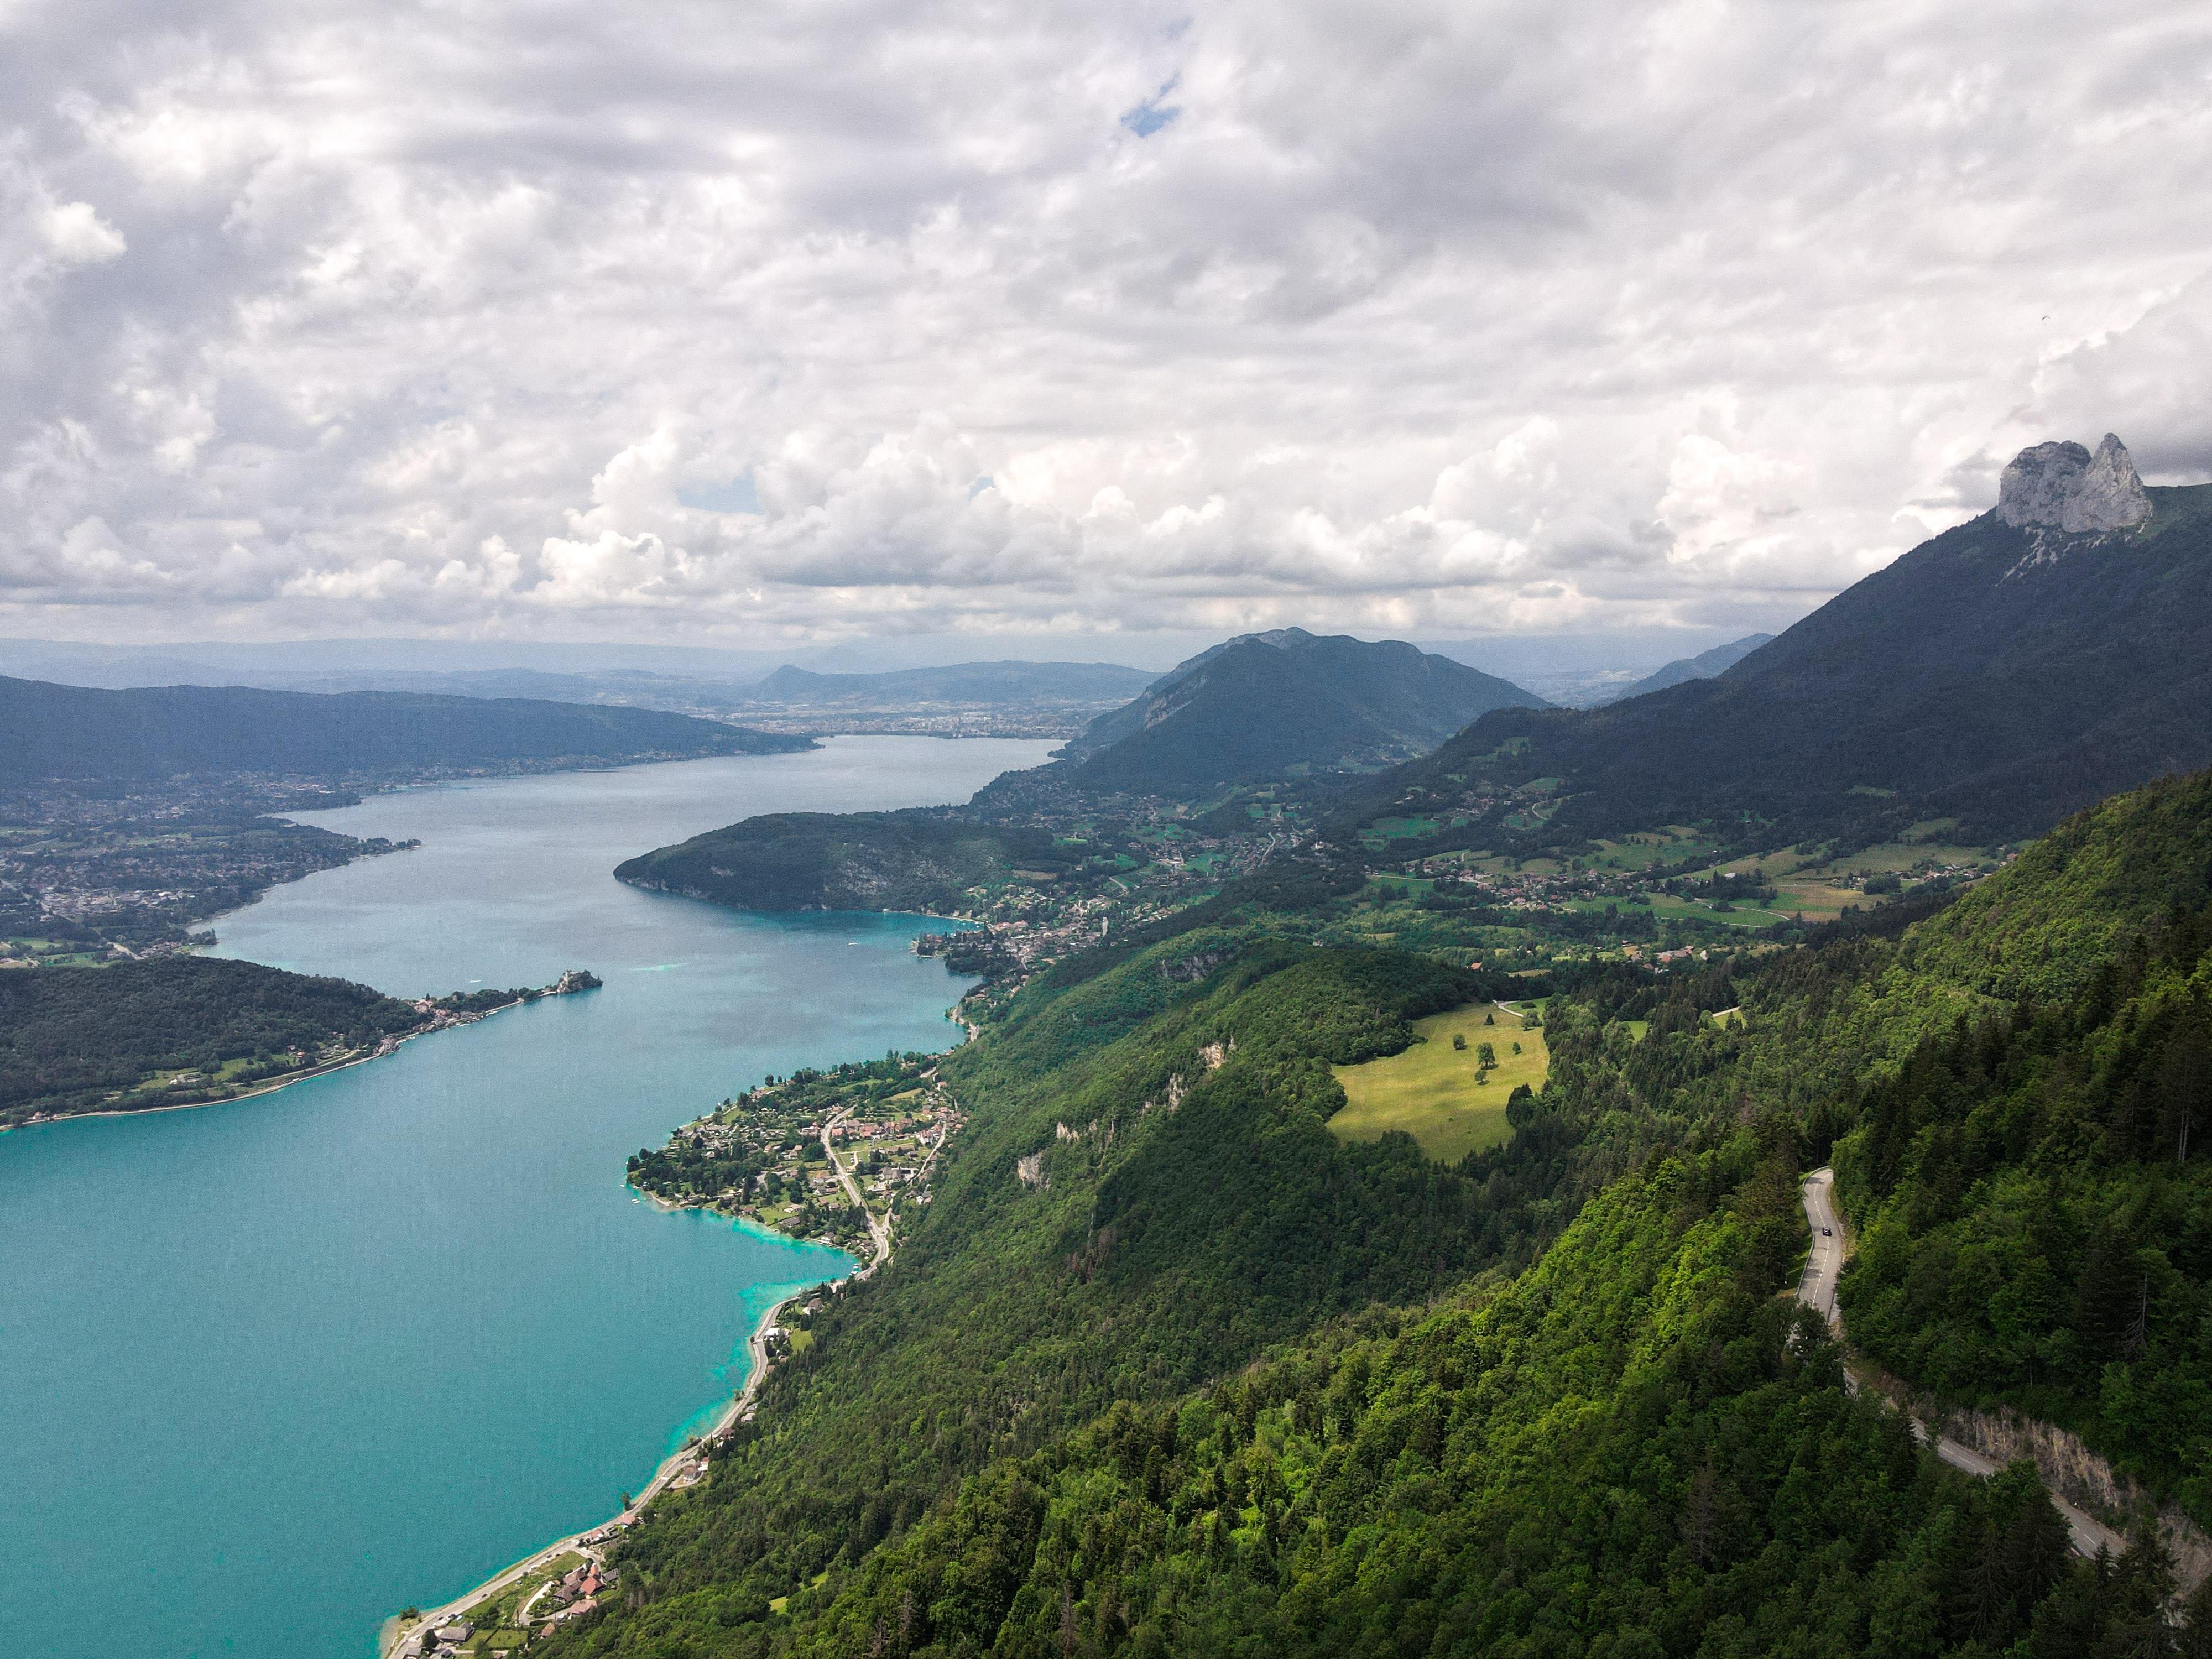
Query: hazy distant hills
pixel 1263 705
pixel 1703 666
pixel 1001 698
pixel 1025 683
pixel 2046 654
pixel 57 732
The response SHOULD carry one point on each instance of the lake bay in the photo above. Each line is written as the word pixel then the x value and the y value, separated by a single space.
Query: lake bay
pixel 276 1367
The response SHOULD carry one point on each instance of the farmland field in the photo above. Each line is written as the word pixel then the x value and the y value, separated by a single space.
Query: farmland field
pixel 1429 1090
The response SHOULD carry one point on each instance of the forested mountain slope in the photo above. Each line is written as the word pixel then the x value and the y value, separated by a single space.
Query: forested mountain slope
pixel 1615 1454
pixel 1187 1217
pixel 2006 673
pixel 73 731
pixel 1262 705
pixel 1628 1452
pixel 2032 1183
pixel 911 860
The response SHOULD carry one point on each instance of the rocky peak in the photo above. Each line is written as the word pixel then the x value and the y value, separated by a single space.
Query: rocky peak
pixel 2063 487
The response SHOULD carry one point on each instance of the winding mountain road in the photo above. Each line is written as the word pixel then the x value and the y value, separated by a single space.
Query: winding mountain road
pixel 1816 1289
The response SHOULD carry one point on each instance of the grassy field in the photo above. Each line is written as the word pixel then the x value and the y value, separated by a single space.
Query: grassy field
pixel 1429 1090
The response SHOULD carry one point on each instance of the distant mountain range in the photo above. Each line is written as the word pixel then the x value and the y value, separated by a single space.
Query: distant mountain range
pixel 1038 698
pixel 2024 664
pixel 969 684
pixel 67 732
pixel 1263 705
pixel 1703 666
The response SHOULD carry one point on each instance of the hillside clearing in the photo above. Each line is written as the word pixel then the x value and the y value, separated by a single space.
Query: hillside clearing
pixel 1430 1091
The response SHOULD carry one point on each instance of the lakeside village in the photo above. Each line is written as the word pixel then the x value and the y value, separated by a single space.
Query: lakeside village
pixel 91 873
pixel 103 871
pixel 536 1603
pixel 823 1155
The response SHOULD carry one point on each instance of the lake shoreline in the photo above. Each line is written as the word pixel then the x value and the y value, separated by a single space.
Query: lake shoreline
pixel 393 1634
pixel 430 1277
pixel 269 1086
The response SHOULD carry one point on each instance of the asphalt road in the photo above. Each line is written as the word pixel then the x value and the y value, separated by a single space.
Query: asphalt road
pixel 878 1229
pixel 1816 1289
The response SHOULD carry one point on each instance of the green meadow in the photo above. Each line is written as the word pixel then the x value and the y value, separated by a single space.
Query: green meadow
pixel 1431 1091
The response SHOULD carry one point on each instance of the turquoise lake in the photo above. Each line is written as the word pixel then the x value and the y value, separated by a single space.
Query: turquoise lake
pixel 274 1369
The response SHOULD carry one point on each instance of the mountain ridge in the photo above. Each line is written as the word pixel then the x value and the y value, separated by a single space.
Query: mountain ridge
pixel 1706 665
pixel 1261 705
pixel 2001 674
pixel 66 732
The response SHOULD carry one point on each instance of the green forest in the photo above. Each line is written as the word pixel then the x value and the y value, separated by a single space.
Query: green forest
pixel 70 1038
pixel 1165 1368
pixel 2037 1232
pixel 911 860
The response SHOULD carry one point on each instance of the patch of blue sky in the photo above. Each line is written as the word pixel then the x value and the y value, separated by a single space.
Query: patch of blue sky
pixel 738 496
pixel 1149 117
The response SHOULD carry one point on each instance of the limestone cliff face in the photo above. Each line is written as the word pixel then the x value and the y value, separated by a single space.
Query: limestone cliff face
pixel 2060 486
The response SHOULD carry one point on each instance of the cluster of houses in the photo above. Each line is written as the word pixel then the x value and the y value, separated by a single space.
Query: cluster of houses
pixel 576 1591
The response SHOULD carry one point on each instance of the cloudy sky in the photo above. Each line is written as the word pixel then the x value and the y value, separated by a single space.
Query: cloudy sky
pixel 776 322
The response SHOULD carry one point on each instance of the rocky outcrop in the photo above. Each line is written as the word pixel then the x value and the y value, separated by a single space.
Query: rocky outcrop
pixel 2060 486
pixel 2070 1469
pixel 2064 1460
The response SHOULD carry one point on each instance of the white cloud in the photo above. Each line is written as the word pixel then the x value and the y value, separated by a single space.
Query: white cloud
pixel 79 236
pixel 1425 320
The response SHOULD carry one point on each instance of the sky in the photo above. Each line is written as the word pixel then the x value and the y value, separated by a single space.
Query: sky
pixel 782 324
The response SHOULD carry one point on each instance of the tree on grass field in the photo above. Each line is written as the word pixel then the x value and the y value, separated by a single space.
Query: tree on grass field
pixel 1486 1055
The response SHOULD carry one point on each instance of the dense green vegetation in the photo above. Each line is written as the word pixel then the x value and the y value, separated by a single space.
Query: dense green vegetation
pixel 2002 677
pixel 1620 1454
pixel 1038 1427
pixel 70 1038
pixel 2036 1204
pixel 73 731
pixel 912 860
pixel 1186 1221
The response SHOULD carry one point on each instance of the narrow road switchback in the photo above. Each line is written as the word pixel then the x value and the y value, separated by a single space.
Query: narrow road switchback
pixel 1816 1289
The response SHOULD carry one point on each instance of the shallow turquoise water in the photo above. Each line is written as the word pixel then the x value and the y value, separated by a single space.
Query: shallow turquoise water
pixel 272 1370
